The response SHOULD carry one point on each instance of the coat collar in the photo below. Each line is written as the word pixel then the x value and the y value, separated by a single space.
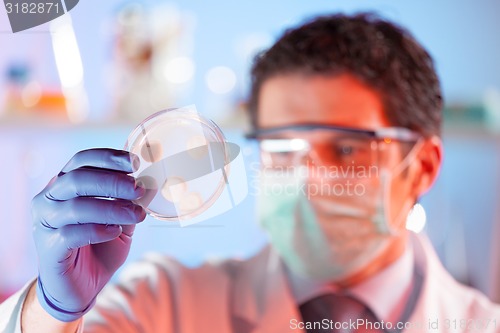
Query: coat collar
pixel 263 299
pixel 262 296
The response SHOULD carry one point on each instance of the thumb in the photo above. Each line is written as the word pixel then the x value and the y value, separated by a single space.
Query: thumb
pixel 79 235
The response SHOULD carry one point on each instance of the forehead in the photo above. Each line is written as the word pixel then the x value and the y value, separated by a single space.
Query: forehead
pixel 339 100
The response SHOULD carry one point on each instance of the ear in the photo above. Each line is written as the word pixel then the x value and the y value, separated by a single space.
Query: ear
pixel 428 163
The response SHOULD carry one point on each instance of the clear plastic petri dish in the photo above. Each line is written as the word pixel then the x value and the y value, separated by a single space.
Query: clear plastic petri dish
pixel 183 163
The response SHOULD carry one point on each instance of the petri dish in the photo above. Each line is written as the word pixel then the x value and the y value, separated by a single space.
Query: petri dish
pixel 183 163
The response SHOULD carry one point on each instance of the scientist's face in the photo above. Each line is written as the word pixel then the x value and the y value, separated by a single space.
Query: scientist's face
pixel 343 100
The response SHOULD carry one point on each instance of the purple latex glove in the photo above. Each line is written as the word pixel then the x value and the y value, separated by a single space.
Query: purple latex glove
pixel 81 236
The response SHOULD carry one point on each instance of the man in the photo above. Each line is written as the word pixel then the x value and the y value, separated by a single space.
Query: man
pixel 347 111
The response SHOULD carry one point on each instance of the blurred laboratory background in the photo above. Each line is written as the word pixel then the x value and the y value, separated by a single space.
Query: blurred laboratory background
pixel 86 79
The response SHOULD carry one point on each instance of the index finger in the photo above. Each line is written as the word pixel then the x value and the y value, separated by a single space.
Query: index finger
pixel 105 158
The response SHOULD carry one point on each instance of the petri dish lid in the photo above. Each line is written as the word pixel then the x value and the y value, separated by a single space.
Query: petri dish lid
pixel 183 163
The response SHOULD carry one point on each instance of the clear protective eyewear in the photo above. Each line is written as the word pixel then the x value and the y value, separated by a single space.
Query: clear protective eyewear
pixel 329 146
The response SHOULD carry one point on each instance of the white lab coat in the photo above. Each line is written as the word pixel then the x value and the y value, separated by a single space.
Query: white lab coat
pixel 161 295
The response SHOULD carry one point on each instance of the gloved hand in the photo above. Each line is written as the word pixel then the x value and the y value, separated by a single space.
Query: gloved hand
pixel 83 225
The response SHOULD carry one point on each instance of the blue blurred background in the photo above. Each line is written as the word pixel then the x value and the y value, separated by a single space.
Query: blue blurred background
pixel 86 79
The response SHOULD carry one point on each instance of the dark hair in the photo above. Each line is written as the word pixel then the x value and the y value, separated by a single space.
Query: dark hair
pixel 379 53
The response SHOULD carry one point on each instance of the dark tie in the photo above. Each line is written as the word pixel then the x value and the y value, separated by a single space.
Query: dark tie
pixel 338 313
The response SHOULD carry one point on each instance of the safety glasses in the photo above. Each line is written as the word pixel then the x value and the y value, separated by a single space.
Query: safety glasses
pixel 328 145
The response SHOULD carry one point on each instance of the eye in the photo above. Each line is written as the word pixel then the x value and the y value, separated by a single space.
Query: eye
pixel 348 148
pixel 282 157
pixel 345 150
pixel 352 151
pixel 282 154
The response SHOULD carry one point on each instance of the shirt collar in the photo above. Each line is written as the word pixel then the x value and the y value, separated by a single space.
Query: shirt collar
pixel 387 306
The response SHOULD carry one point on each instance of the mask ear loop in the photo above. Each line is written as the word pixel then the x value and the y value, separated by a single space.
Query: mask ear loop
pixel 383 224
